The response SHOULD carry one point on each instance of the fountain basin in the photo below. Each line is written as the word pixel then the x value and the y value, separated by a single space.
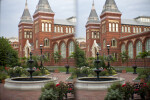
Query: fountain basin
pixel 20 83
pixel 91 83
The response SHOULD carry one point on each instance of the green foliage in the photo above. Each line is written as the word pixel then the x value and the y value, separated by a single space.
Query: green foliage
pixel 49 95
pixel 114 95
pixel 79 56
pixel 124 57
pixel 48 86
pixel 143 55
pixel 8 56
pixel 3 76
pixel 115 86
pixel 57 57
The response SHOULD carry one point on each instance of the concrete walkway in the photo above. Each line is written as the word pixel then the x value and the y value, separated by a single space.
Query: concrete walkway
pixel 6 94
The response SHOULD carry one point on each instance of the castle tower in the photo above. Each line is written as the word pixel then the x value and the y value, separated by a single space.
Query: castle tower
pixel 43 26
pixel 110 27
pixel 92 32
pixel 25 32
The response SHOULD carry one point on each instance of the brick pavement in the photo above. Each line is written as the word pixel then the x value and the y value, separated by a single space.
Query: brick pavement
pixel 6 94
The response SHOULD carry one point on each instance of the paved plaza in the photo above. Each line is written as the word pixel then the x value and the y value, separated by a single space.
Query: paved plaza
pixel 6 94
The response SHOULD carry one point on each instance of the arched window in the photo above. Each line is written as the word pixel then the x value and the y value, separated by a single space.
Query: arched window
pixel 69 30
pixel 97 34
pixel 104 43
pixel 92 35
pixel 30 34
pixel 130 50
pixel 63 50
pixel 129 29
pixel 61 29
pixel 49 27
pixel 71 48
pixel 109 27
pixel 72 30
pixel 36 43
pixel 55 29
pixel 123 48
pixel 42 27
pixel 116 27
pixel 46 42
pixel 125 29
pixel 133 29
pixel 55 48
pixel 66 30
pixel 25 34
pixel 113 43
pixel 46 27
pixel 58 29
pixel 147 44
pixel 122 28
pixel 113 27
pixel 138 47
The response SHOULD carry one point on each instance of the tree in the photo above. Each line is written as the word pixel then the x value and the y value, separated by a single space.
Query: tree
pixel 124 57
pixel 143 55
pixel 79 56
pixel 57 57
pixel 8 56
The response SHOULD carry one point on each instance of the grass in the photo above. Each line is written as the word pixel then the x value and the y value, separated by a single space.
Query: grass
pixel 129 69
pixel 60 68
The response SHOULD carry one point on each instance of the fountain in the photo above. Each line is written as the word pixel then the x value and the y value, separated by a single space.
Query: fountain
pixel 97 83
pixel 27 83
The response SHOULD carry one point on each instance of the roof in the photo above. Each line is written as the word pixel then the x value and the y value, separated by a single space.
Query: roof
pixel 134 22
pixel 93 17
pixel 43 6
pixel 110 6
pixel 63 22
pixel 26 17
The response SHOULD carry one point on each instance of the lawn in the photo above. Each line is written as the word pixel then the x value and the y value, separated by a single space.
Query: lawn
pixel 129 69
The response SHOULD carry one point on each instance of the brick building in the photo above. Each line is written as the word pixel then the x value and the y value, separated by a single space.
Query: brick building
pixel 131 35
pixel 54 34
pixel 14 42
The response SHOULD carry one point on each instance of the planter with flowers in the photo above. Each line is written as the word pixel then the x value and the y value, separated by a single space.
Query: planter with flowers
pixel 3 76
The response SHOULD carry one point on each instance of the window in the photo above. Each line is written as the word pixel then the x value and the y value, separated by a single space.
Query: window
pixel 61 29
pixel 116 27
pixel 87 36
pixel 66 30
pixel 123 49
pixel 72 30
pixel 129 29
pixel 55 48
pixel 31 35
pixel 49 27
pixel 140 30
pixel 46 27
pixel 109 27
pixel 144 29
pixel 69 30
pixel 147 45
pixel 130 50
pixel 113 43
pixel 36 43
pixel 55 29
pixel 92 35
pixel 97 34
pixel 104 43
pixel 42 27
pixel 25 34
pixel 122 29
pixel 138 47
pixel 46 42
pixel 113 27
pixel 125 29
pixel 133 29
pixel 63 50
pixel 137 30
pixel 58 29
pixel 71 48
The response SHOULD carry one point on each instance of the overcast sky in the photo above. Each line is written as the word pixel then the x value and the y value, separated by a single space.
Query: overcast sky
pixel 11 11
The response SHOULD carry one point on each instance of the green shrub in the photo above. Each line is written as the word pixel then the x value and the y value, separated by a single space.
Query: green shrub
pixel 3 76
pixel 48 86
pixel 104 73
pixel 114 95
pixel 49 95
pixel 115 86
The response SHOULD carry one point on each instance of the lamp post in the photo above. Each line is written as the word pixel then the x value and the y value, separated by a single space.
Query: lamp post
pixel 41 58
pixel 108 47
pixel 67 67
